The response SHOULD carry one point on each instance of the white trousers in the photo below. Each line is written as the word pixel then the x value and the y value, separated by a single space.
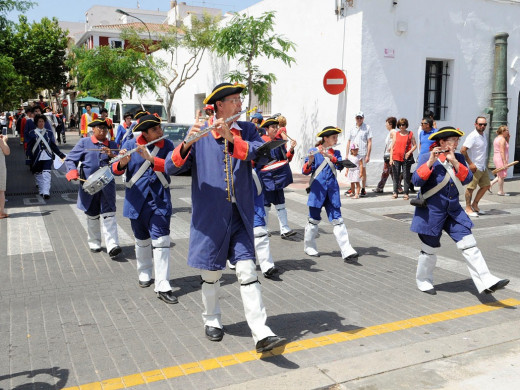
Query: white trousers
pixel 341 234
pixel 476 263
pixel 93 232
pixel 43 181
pixel 309 238
pixel 109 225
pixel 251 293
pixel 262 248
pixel 154 255
pixel 281 211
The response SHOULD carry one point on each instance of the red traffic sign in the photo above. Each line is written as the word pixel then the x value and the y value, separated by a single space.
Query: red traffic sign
pixel 64 103
pixel 335 81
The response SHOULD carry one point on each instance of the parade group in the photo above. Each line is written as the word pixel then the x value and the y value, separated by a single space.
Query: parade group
pixel 239 169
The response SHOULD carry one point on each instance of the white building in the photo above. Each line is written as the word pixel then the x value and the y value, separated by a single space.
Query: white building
pixel 384 47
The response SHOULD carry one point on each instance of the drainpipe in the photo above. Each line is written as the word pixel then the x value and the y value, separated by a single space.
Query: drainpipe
pixel 499 94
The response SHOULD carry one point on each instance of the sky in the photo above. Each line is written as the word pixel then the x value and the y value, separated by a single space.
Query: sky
pixel 74 10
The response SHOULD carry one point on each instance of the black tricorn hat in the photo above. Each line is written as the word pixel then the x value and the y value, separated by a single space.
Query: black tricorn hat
pixel 223 90
pixel 268 122
pixel 446 132
pixel 99 122
pixel 146 122
pixel 140 114
pixel 328 131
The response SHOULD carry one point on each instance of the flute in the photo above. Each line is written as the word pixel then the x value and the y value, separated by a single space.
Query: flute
pixel 208 129
pixel 129 152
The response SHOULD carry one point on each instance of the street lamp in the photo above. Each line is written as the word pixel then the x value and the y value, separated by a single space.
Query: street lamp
pixel 120 11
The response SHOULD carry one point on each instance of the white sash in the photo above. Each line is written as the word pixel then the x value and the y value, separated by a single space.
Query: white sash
pixel 41 138
pixel 140 172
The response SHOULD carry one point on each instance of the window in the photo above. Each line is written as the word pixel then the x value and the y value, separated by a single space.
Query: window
pixel 116 43
pixel 436 88
pixel 198 103
pixel 265 108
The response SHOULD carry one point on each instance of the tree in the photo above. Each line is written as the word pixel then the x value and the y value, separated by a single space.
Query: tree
pixel 195 39
pixel 246 38
pixel 12 5
pixel 11 84
pixel 106 72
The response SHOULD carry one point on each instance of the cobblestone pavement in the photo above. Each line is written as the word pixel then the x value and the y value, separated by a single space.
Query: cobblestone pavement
pixel 70 318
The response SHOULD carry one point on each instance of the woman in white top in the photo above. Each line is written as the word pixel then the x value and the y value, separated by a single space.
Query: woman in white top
pixel 4 151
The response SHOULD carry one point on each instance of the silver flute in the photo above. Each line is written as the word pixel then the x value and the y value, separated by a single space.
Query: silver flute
pixel 129 152
pixel 208 129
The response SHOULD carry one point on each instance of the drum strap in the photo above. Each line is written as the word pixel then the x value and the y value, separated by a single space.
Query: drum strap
pixel 41 139
pixel 256 180
pixel 140 172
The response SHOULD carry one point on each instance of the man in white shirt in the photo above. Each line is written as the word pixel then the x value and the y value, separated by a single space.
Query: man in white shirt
pixel 474 150
pixel 361 135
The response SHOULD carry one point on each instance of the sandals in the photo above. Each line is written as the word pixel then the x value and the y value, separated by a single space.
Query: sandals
pixel 2 216
pixel 394 195
pixel 406 197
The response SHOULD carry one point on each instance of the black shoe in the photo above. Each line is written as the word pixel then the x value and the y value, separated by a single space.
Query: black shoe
pixel 115 251
pixel 148 283
pixel 271 272
pixel 288 234
pixel 95 250
pixel 214 334
pixel 167 296
pixel 46 196
pixel 348 192
pixel 497 286
pixel 431 291
pixel 363 192
pixel 352 256
pixel 270 343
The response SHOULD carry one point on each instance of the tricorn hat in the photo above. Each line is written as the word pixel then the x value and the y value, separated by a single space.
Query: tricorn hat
pixel 146 122
pixel 99 122
pixel 268 122
pixel 328 131
pixel 223 90
pixel 446 132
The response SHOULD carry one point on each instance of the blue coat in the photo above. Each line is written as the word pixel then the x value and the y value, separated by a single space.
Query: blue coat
pixel 149 183
pixel 443 204
pixel 91 161
pixel 325 184
pixel 121 131
pixel 216 178
pixel 32 138
pixel 276 179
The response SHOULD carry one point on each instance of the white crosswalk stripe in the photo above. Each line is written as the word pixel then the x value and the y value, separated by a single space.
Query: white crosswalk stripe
pixel 26 232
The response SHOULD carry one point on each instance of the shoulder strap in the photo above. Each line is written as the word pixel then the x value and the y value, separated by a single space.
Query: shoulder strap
pixel 140 172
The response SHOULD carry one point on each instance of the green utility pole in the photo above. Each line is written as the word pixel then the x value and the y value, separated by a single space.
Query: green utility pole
pixel 499 94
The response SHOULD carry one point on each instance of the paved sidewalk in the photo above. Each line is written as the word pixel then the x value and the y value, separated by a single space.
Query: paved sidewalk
pixel 74 319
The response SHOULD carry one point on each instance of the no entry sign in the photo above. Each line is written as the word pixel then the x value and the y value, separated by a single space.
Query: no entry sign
pixel 64 103
pixel 334 81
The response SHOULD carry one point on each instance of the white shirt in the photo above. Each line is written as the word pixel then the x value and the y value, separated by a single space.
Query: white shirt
pixel 477 149
pixel 360 136
pixel 388 140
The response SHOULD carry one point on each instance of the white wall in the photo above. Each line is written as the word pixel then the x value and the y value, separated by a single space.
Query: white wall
pixel 461 31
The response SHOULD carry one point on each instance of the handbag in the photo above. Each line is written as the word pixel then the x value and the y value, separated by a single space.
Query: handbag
pixel 410 160
pixel 386 158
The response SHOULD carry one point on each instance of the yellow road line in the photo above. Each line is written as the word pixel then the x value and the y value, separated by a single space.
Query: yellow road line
pixel 242 357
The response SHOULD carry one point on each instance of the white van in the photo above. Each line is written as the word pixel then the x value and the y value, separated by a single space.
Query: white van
pixel 118 107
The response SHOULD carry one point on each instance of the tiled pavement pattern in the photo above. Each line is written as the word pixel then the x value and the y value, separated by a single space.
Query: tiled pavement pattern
pixel 69 317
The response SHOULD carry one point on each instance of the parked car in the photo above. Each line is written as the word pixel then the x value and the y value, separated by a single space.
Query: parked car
pixel 176 132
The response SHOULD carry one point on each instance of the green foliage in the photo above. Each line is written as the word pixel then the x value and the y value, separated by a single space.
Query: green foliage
pixel 106 72
pixel 12 5
pixel 194 39
pixel 11 84
pixel 246 38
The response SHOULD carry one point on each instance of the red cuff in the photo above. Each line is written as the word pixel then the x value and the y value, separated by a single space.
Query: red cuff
pixel 306 168
pixel 462 173
pixel 115 170
pixel 72 174
pixel 290 155
pixel 158 164
pixel 177 159
pixel 424 172
pixel 240 148
pixel 334 160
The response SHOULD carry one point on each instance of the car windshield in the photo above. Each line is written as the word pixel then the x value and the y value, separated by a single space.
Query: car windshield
pixel 151 108
pixel 175 132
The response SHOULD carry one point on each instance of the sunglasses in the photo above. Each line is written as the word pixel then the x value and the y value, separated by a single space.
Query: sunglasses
pixel 482 124
pixel 424 123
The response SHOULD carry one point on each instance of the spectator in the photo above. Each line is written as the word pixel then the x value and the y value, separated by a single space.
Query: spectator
pixel 475 149
pixel 353 173
pixel 4 151
pixel 361 135
pixel 3 123
pixel 391 124
pixel 501 158
pixel 401 155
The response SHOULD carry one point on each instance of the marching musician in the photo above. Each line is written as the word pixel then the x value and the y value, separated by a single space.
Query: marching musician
pixel 441 175
pixel 41 147
pixel 124 130
pixel 223 212
pixel 86 157
pixel 257 119
pixel 276 179
pixel 148 204
pixel 104 117
pixel 324 192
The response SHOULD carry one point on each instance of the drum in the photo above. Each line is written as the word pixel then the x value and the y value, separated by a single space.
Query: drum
pixel 274 165
pixel 98 180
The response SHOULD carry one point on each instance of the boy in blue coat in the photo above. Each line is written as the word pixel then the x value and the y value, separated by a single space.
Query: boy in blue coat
pixel 441 174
